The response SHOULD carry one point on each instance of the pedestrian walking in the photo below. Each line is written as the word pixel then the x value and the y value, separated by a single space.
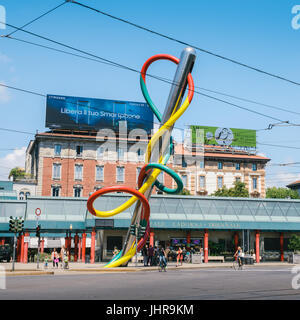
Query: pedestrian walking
pixel 115 252
pixel 54 258
pixel 46 263
pixel 150 255
pixel 179 256
pixel 167 252
pixel 145 255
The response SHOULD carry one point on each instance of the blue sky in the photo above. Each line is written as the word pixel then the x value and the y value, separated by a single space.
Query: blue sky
pixel 258 33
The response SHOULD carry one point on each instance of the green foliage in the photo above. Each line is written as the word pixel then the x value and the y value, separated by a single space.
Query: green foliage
pixel 282 193
pixel 294 243
pixel 239 190
pixel 215 248
pixel 16 173
pixel 185 192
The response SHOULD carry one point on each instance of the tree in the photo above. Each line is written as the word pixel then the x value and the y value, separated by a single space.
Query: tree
pixel 239 190
pixel 16 173
pixel 185 192
pixel 294 243
pixel 282 193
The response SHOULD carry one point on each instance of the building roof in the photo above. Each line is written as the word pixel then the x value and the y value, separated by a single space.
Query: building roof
pixel 294 184
pixel 167 212
pixel 83 136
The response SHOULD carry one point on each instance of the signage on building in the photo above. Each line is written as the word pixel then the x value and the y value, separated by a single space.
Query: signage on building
pixel 244 138
pixel 63 112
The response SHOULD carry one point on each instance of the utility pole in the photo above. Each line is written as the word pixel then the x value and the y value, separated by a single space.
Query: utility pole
pixel 136 243
pixel 38 234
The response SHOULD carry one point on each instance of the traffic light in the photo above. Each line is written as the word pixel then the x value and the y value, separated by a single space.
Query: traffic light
pixel 142 231
pixel 38 231
pixel 20 224
pixel 132 229
pixel 12 224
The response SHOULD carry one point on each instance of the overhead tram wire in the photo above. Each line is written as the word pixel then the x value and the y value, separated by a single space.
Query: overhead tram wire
pixel 54 49
pixel 99 61
pixel 279 146
pixel 137 71
pixel 249 100
pixel 186 43
pixel 108 63
pixel 39 17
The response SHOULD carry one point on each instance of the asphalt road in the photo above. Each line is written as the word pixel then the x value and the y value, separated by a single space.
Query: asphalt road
pixel 200 284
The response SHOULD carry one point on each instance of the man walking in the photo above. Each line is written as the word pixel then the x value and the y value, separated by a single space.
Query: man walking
pixel 150 255
pixel 145 255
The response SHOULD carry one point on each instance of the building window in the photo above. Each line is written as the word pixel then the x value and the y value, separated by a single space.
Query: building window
pixel 184 180
pixel 21 196
pixel 202 182
pixel 77 192
pixel 120 154
pixel 254 183
pixel 120 174
pixel 220 182
pixel 202 165
pixel 57 150
pixel 220 165
pixel 138 170
pixel 100 153
pixel 254 166
pixel 141 154
pixel 160 177
pixel 56 172
pixel 55 191
pixel 79 150
pixel 99 173
pixel 78 171
pixel 237 166
pixel 27 194
pixel 184 164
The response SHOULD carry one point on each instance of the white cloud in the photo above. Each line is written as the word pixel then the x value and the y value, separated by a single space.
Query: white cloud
pixel 11 160
pixel 281 179
pixel 4 58
pixel 4 94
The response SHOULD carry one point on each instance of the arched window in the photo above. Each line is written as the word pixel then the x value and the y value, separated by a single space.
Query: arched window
pixel 21 196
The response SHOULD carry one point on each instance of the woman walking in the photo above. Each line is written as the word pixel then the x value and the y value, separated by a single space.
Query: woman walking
pixel 179 256
pixel 54 258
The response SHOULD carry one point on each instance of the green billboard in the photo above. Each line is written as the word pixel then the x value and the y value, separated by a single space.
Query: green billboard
pixel 223 136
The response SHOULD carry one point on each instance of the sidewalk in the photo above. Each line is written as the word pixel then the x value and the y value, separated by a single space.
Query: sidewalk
pixel 79 267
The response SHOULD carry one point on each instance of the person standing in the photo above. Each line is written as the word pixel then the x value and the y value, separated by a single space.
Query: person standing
pixel 115 252
pixel 150 255
pixel 162 258
pixel 53 257
pixel 62 256
pixel 145 255
pixel 201 255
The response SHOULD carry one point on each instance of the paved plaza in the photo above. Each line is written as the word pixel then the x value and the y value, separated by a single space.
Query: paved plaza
pixel 271 281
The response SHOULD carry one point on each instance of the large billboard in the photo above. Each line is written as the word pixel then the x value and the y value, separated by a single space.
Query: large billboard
pixel 224 136
pixel 65 112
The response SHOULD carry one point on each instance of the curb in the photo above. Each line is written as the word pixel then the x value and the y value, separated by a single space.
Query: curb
pixel 30 273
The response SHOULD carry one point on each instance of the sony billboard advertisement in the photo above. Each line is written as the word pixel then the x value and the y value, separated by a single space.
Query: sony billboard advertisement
pixel 63 112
